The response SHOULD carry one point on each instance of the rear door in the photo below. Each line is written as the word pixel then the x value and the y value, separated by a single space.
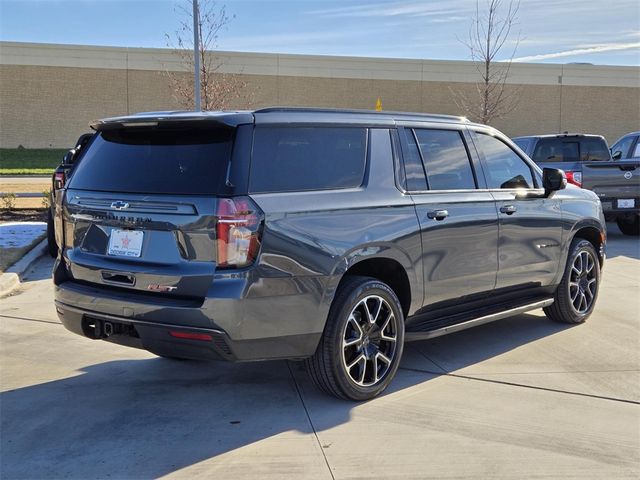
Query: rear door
pixel 530 227
pixel 458 221
pixel 140 210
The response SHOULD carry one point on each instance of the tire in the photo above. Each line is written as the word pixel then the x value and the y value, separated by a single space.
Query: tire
pixel 629 226
pixel 52 247
pixel 373 349
pixel 576 296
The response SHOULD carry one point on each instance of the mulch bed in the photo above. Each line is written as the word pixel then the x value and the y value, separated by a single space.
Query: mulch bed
pixel 23 215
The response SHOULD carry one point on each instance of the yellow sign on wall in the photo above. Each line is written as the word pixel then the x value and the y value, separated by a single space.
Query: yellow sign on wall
pixel 378 105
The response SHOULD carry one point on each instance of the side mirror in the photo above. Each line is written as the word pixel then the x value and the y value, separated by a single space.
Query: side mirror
pixel 553 179
pixel 617 155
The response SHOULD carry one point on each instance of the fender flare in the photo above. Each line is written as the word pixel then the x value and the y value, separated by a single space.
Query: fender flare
pixel 571 234
pixel 378 250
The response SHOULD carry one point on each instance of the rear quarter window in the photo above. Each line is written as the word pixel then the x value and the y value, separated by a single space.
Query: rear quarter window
pixel 287 159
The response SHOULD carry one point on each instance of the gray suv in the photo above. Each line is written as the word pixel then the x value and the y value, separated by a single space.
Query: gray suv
pixel 319 235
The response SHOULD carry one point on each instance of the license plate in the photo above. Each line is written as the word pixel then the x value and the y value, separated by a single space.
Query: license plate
pixel 125 243
pixel 626 203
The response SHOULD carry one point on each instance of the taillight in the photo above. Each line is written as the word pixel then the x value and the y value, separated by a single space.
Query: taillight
pixel 58 180
pixel 205 337
pixel 238 232
pixel 574 177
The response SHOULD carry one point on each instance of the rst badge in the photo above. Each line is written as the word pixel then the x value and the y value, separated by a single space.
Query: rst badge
pixel 154 287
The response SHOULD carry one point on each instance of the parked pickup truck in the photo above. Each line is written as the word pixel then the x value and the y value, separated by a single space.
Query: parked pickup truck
pixel 587 162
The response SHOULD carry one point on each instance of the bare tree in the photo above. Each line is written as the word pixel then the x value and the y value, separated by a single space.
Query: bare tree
pixel 489 32
pixel 218 89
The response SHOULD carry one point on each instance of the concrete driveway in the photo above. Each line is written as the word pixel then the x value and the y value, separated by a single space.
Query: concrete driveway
pixel 520 398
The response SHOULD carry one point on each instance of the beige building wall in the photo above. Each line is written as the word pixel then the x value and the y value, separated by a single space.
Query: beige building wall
pixel 49 93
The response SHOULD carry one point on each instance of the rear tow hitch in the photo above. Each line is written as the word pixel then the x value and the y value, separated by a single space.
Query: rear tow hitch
pixel 108 329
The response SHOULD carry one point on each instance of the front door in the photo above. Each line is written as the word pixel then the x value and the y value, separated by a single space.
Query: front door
pixel 530 230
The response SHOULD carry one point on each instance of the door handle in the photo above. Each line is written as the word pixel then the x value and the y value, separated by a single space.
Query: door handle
pixel 438 214
pixel 508 209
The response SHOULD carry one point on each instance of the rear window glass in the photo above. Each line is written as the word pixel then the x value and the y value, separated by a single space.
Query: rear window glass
pixel 445 160
pixel 594 150
pixel 556 150
pixel 289 159
pixel 170 161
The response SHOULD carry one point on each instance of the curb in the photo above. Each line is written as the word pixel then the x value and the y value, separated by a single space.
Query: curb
pixel 13 175
pixel 10 280
pixel 25 195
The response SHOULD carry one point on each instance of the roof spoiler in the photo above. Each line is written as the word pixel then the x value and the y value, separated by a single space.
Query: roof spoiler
pixel 174 119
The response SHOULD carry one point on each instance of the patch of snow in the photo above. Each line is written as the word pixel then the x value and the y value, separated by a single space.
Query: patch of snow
pixel 20 234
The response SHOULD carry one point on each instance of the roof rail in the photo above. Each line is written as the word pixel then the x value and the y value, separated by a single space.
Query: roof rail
pixel 360 111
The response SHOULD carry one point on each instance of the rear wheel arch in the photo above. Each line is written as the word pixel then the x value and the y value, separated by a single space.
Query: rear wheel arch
pixel 388 271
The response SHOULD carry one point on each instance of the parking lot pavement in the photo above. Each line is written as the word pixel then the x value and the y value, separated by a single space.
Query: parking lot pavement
pixel 518 398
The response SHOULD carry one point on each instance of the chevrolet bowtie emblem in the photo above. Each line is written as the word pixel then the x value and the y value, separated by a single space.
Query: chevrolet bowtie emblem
pixel 119 205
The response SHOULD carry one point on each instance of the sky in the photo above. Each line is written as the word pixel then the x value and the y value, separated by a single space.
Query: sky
pixel 549 31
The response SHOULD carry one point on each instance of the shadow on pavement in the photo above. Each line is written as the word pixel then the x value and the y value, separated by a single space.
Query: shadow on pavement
pixel 620 245
pixel 469 347
pixel 41 270
pixel 152 417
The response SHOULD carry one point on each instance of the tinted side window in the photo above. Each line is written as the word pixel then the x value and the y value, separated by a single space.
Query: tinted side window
pixel 523 143
pixel 593 150
pixel 555 150
pixel 503 167
pixel 414 171
pixel 445 160
pixel 287 159
pixel 623 146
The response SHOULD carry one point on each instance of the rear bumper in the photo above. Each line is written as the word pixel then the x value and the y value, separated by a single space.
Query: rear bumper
pixel 160 326
pixel 610 206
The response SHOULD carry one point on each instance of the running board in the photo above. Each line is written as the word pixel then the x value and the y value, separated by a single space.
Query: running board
pixel 410 336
